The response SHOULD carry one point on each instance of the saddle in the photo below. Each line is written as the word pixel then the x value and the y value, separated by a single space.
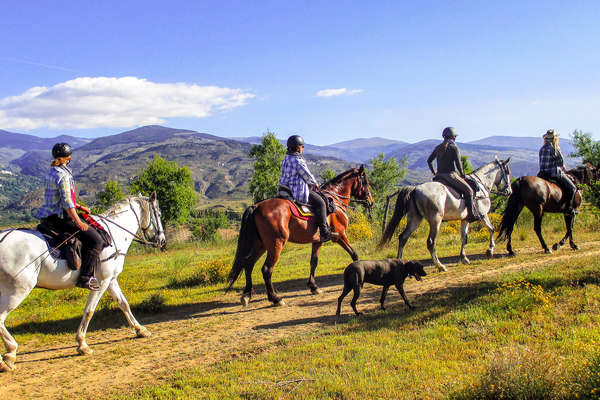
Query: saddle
pixel 302 210
pixel 61 245
pixel 472 183
pixel 64 246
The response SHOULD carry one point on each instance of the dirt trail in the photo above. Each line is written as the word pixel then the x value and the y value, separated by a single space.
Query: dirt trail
pixel 202 334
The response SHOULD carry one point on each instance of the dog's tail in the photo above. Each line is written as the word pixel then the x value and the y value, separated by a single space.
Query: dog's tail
pixel 405 197
pixel 511 212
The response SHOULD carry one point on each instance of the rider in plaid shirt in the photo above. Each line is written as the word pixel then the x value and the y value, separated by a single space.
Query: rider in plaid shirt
pixel 552 166
pixel 296 176
pixel 59 211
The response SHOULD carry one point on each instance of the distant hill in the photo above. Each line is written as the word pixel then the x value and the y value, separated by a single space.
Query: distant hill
pixel 14 145
pixel 530 143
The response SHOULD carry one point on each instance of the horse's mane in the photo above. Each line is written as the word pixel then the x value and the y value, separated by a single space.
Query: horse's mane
pixel 120 205
pixel 337 179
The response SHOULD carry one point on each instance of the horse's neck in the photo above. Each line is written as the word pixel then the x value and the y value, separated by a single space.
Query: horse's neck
pixel 127 219
pixel 486 175
pixel 341 189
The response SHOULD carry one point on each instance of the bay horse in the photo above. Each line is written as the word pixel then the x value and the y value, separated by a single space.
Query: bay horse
pixel 435 202
pixel 541 196
pixel 26 262
pixel 269 224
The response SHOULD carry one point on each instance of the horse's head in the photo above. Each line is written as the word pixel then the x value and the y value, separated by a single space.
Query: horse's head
pixel 502 181
pixel 353 185
pixel 150 222
pixel 585 174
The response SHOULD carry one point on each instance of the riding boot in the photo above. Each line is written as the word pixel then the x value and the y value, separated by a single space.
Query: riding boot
pixel 90 261
pixel 326 234
pixel 473 214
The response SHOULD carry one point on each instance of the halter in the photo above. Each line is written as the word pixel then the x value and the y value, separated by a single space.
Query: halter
pixel 504 192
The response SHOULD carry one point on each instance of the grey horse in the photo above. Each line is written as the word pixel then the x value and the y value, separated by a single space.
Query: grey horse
pixel 436 203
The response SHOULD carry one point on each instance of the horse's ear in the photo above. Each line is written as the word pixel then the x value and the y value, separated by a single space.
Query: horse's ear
pixel 153 196
pixel 507 160
pixel 362 168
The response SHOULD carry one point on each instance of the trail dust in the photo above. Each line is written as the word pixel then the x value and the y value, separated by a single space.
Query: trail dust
pixel 204 333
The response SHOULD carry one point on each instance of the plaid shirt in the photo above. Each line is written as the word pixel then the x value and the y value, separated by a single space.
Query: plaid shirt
pixel 59 193
pixel 296 176
pixel 551 161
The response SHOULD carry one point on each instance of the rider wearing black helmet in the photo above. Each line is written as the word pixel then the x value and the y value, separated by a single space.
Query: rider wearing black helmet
pixel 296 176
pixel 59 210
pixel 450 170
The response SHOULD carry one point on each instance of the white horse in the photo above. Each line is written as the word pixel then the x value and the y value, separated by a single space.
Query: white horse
pixel 26 263
pixel 436 203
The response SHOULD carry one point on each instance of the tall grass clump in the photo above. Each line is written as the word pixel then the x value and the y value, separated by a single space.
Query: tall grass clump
pixel 516 373
pixel 205 273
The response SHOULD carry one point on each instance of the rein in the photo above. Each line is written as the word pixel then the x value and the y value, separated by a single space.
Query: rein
pixel 338 197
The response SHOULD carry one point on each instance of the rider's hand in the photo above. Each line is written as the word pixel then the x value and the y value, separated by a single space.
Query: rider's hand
pixel 82 226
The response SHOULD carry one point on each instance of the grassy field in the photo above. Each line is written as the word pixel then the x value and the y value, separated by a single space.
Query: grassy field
pixel 535 330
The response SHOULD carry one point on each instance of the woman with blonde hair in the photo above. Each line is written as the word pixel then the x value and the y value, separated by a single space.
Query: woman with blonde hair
pixel 552 167
pixel 60 211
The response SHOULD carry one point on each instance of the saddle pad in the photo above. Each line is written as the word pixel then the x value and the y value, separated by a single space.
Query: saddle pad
pixel 300 211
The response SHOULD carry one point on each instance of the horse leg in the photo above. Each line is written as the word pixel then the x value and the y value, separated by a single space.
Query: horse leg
pixel 570 231
pixel 562 241
pixel 9 300
pixel 537 227
pixel 90 306
pixel 464 232
pixel 314 261
pixel 434 228
pixel 488 224
pixel 345 243
pixel 257 251
pixel 412 223
pixel 115 291
pixel 267 271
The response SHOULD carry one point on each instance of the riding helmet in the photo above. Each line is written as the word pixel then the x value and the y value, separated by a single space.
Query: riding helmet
pixel 449 133
pixel 61 150
pixel 294 141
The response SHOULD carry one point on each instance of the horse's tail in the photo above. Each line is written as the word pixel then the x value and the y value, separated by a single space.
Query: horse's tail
pixel 246 238
pixel 511 212
pixel 405 196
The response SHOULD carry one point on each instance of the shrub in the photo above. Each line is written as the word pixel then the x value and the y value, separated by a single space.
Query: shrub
pixel 205 229
pixel 359 227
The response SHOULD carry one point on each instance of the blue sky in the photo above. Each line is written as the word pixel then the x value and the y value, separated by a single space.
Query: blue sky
pixel 330 70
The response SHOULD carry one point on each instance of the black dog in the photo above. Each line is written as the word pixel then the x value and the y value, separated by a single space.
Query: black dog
pixel 384 272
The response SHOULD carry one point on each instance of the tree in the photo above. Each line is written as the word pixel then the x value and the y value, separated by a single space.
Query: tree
pixel 173 185
pixel 267 167
pixel 384 177
pixel 586 148
pixel 467 167
pixel 110 195
pixel 326 175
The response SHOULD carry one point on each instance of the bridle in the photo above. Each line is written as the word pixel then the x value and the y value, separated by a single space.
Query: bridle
pixel 505 191
pixel 152 222
pixel 362 188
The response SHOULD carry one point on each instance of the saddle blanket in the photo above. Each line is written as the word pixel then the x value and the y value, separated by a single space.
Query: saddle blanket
pixel 300 211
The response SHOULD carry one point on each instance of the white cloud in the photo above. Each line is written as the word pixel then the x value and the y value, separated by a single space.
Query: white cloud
pixel 337 92
pixel 114 102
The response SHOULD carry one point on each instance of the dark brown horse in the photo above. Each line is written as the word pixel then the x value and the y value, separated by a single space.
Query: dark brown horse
pixel 541 196
pixel 268 225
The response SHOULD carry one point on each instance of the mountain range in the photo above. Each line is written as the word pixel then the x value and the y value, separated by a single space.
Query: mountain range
pixel 220 166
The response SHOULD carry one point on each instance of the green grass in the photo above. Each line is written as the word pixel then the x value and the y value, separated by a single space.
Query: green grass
pixel 444 348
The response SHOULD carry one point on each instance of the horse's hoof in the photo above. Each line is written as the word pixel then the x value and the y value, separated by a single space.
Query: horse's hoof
pixel 143 332
pixel 548 251
pixel 9 363
pixel 4 367
pixel 85 351
pixel 279 303
pixel 316 291
pixel 574 246
pixel 465 260
pixel 442 268
pixel 245 301
pixel 555 246
pixel 489 254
